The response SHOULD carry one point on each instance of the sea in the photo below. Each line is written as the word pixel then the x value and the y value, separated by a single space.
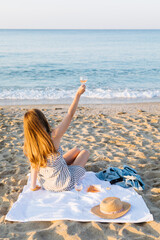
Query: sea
pixel 45 66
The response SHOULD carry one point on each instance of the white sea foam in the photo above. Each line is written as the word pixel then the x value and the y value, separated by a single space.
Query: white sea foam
pixel 125 93
pixel 54 94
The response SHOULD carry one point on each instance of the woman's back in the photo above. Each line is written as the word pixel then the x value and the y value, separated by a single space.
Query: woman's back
pixel 57 176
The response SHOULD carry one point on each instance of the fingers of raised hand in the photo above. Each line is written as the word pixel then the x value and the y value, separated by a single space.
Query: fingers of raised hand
pixel 82 89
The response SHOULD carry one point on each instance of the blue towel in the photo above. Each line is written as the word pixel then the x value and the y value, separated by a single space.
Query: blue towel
pixel 126 177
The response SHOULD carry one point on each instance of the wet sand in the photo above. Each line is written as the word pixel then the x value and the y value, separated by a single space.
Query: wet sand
pixel 115 135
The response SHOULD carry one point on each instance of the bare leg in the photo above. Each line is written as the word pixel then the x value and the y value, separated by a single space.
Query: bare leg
pixel 71 155
pixel 82 158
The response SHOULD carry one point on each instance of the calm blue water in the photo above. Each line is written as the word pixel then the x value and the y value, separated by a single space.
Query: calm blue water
pixel 44 66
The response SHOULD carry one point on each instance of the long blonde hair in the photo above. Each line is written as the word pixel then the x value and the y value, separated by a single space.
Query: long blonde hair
pixel 37 138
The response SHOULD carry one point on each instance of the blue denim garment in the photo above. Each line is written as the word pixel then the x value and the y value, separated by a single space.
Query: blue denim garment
pixel 126 177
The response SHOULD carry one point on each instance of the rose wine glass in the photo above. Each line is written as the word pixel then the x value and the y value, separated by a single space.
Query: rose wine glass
pixel 78 188
pixel 83 80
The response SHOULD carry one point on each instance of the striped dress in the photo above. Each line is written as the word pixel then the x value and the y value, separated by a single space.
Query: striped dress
pixel 57 176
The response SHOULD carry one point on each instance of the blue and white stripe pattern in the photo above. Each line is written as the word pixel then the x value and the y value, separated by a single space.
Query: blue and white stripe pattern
pixel 57 176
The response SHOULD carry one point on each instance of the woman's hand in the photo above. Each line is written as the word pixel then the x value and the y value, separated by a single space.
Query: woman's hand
pixel 81 89
pixel 36 188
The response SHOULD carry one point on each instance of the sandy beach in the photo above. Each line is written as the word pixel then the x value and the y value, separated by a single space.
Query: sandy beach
pixel 115 135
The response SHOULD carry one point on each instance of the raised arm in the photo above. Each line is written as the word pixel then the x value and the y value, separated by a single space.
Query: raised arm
pixel 63 126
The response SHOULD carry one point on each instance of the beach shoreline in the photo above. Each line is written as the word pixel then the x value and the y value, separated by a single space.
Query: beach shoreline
pixel 115 135
pixel 113 108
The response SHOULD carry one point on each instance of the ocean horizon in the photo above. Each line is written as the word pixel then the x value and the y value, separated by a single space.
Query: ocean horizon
pixel 45 65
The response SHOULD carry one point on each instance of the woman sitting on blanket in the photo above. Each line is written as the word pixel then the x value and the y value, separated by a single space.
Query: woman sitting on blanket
pixel 55 171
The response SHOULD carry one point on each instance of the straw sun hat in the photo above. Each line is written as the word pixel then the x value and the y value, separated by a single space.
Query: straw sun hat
pixel 111 208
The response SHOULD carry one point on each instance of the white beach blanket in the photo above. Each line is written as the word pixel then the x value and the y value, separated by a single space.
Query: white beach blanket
pixel 43 205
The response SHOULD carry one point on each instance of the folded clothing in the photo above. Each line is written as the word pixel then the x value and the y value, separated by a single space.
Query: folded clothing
pixel 126 177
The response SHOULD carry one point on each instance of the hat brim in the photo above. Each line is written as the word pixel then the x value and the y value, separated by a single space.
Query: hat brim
pixel 96 210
